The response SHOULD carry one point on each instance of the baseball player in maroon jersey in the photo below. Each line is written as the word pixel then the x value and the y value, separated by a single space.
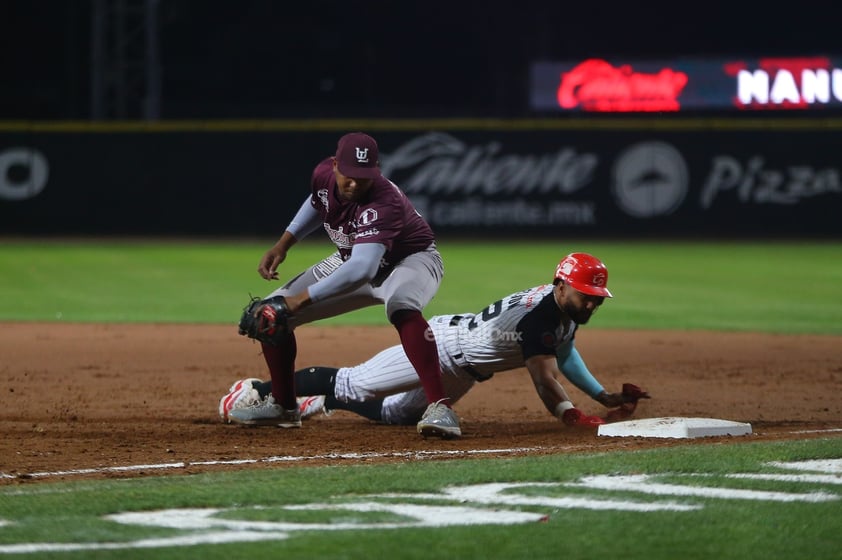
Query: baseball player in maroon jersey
pixel 386 254
pixel 534 328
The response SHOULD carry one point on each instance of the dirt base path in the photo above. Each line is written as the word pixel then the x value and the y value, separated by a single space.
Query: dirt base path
pixel 100 397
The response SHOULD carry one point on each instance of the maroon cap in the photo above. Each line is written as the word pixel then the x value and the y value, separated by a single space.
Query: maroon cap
pixel 357 156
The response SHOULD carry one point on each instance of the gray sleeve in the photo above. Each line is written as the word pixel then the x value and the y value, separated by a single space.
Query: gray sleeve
pixel 305 222
pixel 360 268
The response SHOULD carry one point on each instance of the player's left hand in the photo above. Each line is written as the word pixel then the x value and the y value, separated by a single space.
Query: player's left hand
pixel 625 401
pixel 630 394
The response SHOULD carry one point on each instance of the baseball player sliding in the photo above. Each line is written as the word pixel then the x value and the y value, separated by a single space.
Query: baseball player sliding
pixel 386 254
pixel 534 328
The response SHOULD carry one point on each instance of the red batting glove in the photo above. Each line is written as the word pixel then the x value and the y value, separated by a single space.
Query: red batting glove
pixel 578 419
pixel 631 393
pixel 617 414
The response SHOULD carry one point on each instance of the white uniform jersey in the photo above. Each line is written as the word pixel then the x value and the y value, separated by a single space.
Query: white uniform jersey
pixel 504 334
pixel 471 347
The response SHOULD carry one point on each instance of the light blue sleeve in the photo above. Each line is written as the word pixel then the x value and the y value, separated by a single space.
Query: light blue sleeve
pixel 361 267
pixel 573 367
pixel 305 221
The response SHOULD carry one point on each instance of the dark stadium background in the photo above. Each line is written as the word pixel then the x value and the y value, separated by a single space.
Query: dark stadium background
pixel 374 58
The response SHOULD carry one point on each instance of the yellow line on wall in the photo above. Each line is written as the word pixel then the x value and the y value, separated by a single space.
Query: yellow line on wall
pixel 397 125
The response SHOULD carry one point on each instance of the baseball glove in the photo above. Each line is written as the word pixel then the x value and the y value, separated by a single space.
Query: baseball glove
pixel 265 319
pixel 631 394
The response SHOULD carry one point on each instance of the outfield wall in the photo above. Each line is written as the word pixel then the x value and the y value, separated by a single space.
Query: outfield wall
pixel 621 177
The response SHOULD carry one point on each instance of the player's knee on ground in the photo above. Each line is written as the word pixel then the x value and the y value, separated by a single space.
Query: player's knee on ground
pixel 404 409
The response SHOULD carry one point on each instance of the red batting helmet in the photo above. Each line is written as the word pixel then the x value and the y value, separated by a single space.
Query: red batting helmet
pixel 585 273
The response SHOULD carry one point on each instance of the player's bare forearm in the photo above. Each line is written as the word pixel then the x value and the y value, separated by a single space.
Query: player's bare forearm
pixel 286 241
pixel 298 301
pixel 544 371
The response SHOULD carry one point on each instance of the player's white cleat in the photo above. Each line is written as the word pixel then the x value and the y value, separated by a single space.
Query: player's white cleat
pixel 242 394
pixel 439 420
pixel 310 406
pixel 266 413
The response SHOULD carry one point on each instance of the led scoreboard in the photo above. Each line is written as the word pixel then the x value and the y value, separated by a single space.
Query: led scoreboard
pixel 741 84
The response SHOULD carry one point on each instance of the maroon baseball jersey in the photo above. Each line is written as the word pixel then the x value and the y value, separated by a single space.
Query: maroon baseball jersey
pixel 385 216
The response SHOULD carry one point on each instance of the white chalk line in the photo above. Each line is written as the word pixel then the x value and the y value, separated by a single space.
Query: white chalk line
pixel 296 458
pixel 277 459
pixel 817 431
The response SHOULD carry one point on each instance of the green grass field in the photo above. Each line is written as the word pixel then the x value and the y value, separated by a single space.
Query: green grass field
pixel 770 287
pixel 736 500
pixel 688 502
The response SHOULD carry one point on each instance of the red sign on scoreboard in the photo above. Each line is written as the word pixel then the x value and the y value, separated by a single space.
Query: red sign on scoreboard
pixel 597 85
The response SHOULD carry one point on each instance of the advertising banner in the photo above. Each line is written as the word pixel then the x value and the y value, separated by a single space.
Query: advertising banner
pixel 725 84
pixel 689 179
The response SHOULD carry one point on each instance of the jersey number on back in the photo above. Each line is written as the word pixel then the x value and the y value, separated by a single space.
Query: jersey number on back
pixel 487 314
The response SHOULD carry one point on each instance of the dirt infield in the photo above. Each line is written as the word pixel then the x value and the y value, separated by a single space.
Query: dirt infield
pixel 102 397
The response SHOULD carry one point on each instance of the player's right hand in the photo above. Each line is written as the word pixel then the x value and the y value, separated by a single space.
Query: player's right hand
pixel 268 268
pixel 576 418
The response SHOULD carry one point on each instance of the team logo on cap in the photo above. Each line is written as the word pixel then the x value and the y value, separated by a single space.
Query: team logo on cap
pixel 362 155
pixel 598 279
pixel 566 266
